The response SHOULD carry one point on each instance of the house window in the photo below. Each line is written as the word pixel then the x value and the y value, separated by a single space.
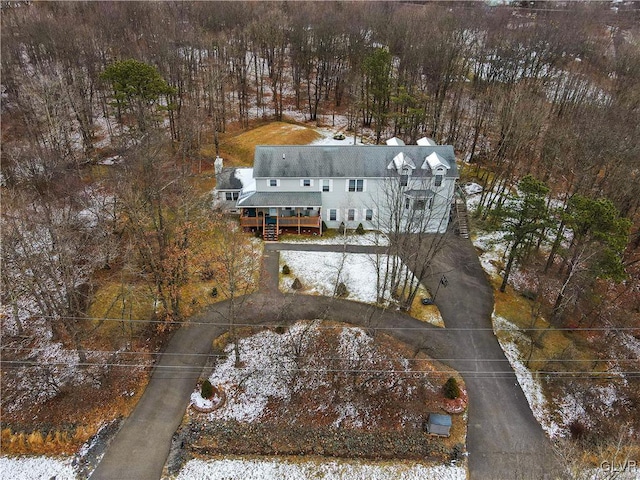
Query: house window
pixel 368 214
pixel 422 203
pixel 438 180
pixel 326 186
pixel 404 177
pixel 333 214
pixel 228 196
pixel 306 182
pixel 351 214
pixel 273 182
pixel 356 185
pixel 236 195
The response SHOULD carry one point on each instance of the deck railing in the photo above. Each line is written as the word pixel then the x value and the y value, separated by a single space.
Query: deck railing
pixel 282 221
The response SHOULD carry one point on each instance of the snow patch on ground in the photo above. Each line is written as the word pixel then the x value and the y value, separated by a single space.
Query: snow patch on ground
pixel 262 376
pixel 36 468
pixel 241 469
pixel 492 246
pixel 327 137
pixel 271 362
pixel 472 188
pixel 630 342
pixel 319 273
pixel 199 401
pixel 530 385
pixel 113 160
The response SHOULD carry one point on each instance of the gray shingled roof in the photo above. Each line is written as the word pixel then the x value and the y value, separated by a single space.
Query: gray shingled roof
pixel 420 193
pixel 227 180
pixel 282 199
pixel 335 161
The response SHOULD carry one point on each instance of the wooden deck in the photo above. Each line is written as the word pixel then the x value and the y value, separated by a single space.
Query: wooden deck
pixel 300 221
pixel 271 230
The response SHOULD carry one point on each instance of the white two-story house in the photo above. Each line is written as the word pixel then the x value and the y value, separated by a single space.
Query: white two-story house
pixel 398 187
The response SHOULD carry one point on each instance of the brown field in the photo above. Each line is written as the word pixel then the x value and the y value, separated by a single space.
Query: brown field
pixel 237 149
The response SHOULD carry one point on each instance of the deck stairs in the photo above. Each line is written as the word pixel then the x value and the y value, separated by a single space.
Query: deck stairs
pixel 270 233
pixel 463 217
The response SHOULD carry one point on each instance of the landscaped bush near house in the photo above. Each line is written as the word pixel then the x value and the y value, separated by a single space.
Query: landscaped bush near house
pixel 451 389
pixel 286 270
pixel 206 390
pixel 360 229
pixel 296 285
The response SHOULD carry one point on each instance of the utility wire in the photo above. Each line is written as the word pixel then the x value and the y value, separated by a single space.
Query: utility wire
pixel 224 355
pixel 550 375
pixel 328 327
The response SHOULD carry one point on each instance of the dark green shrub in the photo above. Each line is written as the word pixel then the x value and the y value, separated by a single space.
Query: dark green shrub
pixel 206 390
pixel 296 285
pixel 451 389
pixel 286 270
pixel 207 273
pixel 578 430
pixel 360 229
pixel 324 227
pixel 457 453
pixel 341 290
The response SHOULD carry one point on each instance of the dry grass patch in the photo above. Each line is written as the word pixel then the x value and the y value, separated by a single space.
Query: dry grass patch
pixel 550 349
pixel 127 301
pixel 425 313
pixel 203 183
pixel 238 149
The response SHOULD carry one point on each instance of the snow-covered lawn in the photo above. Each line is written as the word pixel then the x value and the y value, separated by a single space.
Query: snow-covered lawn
pixel 493 247
pixel 271 366
pixel 276 469
pixel 270 375
pixel 319 271
pixel 368 238
pixel 328 133
pixel 36 468
pixel 264 375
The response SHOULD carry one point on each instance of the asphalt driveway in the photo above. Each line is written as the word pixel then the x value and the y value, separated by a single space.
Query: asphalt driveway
pixel 504 439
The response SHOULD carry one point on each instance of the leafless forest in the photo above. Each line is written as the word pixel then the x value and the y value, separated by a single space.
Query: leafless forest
pixel 98 181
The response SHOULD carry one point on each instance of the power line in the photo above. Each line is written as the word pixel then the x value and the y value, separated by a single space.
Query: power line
pixel 429 328
pixel 550 375
pixel 389 358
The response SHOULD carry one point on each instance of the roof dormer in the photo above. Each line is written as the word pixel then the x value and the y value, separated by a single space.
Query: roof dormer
pixel 426 142
pixel 401 162
pixel 436 163
pixel 395 142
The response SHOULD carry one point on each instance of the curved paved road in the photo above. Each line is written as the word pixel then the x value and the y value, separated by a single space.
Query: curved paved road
pixel 504 439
